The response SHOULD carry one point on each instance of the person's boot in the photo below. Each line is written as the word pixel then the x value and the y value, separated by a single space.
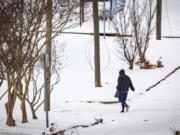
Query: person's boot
pixel 127 108
pixel 122 110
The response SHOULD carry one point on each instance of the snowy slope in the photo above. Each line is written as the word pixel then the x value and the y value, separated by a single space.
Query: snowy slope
pixel 155 112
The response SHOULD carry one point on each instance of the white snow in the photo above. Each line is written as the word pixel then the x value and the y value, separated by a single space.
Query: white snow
pixel 156 112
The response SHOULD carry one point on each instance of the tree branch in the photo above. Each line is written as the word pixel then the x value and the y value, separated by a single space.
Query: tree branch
pixel 163 78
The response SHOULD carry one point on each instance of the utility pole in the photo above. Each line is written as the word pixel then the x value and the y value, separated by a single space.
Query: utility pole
pixel 96 38
pixel 48 49
pixel 96 45
pixel 158 19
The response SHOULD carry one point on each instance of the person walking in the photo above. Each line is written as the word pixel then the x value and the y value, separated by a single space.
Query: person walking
pixel 124 82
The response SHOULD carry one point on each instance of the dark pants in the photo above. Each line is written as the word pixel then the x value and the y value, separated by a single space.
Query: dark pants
pixel 122 98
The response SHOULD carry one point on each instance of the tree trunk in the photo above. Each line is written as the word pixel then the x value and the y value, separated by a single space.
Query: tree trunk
pixel 10 104
pixel 131 64
pixel 10 121
pixel 33 112
pixel 177 132
pixel 24 113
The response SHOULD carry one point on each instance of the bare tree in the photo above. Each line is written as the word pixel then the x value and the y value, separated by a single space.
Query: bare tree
pixel 62 19
pixel 136 19
pixel 34 98
pixel 23 39
pixel 125 47
pixel 143 24
pixel 8 53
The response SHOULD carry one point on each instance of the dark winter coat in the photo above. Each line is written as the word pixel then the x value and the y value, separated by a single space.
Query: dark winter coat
pixel 124 82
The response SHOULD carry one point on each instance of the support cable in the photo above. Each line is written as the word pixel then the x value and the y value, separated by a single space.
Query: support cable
pixel 88 54
pixel 170 30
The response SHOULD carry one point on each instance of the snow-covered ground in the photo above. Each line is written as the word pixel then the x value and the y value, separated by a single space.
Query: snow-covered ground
pixel 156 112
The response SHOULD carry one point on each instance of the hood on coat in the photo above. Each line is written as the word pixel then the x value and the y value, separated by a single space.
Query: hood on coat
pixel 122 72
